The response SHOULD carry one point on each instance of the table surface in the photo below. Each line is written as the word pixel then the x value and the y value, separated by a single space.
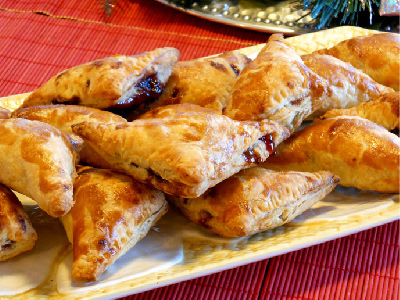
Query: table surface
pixel 40 38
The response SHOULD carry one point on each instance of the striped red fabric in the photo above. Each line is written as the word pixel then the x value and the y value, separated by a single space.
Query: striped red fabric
pixel 361 266
pixel 240 283
pixel 35 47
pixel 148 15
pixel 45 45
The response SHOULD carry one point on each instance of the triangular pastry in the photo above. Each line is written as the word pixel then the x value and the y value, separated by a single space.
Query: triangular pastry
pixel 38 161
pixel 364 155
pixel 382 110
pixel 206 82
pixel 111 82
pixel 377 55
pixel 64 116
pixel 16 232
pixel 276 85
pixel 184 155
pixel 255 200
pixel 348 86
pixel 112 212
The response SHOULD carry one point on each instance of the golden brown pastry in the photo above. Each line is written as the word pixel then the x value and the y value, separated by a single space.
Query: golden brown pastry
pixel 206 82
pixel 111 82
pixel 255 200
pixel 276 85
pixel 112 212
pixel 364 155
pixel 64 116
pixel 38 161
pixel 185 155
pixel 4 113
pixel 175 110
pixel 348 86
pixel 377 55
pixel 382 110
pixel 16 232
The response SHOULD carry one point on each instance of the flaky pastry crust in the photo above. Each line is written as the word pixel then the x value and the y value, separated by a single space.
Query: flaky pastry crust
pixel 206 82
pixel 382 110
pixel 17 234
pixel 112 212
pixel 377 55
pixel 255 200
pixel 64 116
pixel 348 86
pixel 364 155
pixel 111 82
pixel 172 111
pixel 184 155
pixel 276 86
pixel 39 161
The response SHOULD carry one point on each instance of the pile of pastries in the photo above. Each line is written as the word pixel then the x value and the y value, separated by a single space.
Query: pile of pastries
pixel 106 146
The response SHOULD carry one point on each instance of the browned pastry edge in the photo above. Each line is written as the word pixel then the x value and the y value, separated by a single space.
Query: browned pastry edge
pixel 255 200
pixel 382 110
pixel 377 55
pixel 40 163
pixel 112 212
pixel 17 234
pixel 363 154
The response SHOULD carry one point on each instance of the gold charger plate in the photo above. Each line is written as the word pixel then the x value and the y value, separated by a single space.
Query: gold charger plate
pixel 342 213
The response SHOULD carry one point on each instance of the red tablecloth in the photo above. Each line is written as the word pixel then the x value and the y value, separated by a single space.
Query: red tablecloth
pixel 39 38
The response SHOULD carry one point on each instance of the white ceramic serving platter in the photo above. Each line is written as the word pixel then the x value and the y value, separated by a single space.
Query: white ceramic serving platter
pixel 177 250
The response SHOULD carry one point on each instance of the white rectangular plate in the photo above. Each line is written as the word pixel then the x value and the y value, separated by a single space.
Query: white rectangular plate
pixel 178 250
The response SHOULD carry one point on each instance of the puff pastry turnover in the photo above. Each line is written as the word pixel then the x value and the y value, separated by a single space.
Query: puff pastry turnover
pixel 64 116
pixel 377 55
pixel 255 200
pixel 382 110
pixel 39 161
pixel 364 155
pixel 16 232
pixel 112 212
pixel 184 155
pixel 276 85
pixel 111 82
pixel 205 82
pixel 348 86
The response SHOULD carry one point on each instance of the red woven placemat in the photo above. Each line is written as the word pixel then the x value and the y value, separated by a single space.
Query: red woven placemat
pixel 148 15
pixel 37 46
pixel 240 283
pixel 361 266
pixel 42 46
